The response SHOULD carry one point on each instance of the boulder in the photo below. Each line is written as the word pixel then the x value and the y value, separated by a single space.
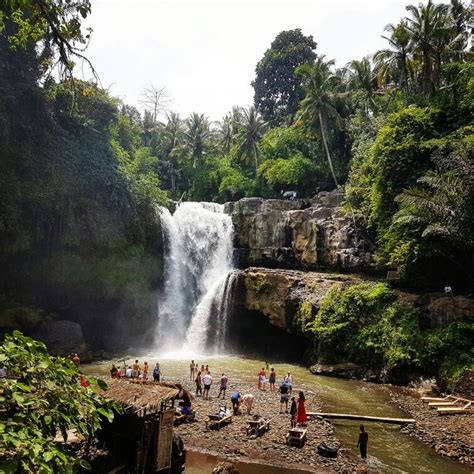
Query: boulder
pixel 62 337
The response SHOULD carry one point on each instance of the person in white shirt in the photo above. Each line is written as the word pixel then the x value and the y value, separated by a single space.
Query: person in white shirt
pixel 248 399
pixel 207 382
pixel 128 372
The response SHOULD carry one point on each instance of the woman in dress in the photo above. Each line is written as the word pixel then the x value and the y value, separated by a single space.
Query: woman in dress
pixel 301 418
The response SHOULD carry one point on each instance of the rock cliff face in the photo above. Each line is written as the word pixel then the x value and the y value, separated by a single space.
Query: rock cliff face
pixel 288 298
pixel 273 307
pixel 297 234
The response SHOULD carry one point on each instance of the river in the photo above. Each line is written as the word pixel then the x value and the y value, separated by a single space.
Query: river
pixel 390 451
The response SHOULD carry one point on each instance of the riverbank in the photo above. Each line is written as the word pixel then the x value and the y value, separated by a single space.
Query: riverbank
pixel 451 436
pixel 232 444
pixel 390 450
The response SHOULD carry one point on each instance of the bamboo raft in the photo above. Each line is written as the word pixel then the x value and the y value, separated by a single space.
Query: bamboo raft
pixel 377 419
pixel 450 405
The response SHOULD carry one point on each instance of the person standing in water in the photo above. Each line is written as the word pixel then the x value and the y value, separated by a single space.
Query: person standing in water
pixel 363 441
pixel 192 368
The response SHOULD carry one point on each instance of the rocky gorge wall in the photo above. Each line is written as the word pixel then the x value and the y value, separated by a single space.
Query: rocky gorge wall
pixel 306 234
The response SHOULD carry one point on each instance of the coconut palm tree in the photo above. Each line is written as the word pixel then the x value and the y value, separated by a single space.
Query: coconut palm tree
pixel 429 33
pixel 251 129
pixel 393 64
pixel 197 134
pixel 226 133
pixel 319 105
pixel 361 81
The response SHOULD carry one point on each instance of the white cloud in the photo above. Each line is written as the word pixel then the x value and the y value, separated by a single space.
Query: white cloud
pixel 205 53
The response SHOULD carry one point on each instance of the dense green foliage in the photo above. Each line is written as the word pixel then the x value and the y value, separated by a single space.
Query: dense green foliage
pixel 278 90
pixel 42 397
pixel 365 324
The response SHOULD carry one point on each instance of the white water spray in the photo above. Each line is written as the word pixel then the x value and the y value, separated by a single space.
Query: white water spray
pixel 198 263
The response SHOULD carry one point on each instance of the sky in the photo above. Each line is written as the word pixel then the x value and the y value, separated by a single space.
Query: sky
pixel 205 52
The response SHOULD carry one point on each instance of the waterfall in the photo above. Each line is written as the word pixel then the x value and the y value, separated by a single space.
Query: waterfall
pixel 198 277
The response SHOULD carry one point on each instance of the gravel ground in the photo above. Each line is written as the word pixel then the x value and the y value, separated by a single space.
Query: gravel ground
pixel 232 443
pixel 449 435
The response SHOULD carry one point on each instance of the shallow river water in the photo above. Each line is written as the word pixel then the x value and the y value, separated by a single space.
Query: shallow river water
pixel 390 451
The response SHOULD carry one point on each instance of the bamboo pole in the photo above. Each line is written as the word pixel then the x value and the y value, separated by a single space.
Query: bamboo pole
pixel 377 419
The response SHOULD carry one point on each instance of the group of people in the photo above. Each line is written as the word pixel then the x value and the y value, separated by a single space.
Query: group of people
pixel 203 379
pixel 136 371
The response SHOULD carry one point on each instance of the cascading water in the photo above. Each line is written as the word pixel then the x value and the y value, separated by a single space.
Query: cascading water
pixel 198 278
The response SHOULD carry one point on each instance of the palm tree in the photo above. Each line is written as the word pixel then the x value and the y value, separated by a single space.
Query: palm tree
pixel 319 105
pixel 361 80
pixel 226 133
pixel 251 129
pixel 441 205
pixel 196 136
pixel 393 63
pixel 428 29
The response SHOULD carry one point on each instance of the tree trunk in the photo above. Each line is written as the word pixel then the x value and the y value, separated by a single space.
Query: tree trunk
pixel 323 134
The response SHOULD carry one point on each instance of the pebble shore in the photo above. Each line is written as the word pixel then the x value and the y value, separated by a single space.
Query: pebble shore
pixel 231 442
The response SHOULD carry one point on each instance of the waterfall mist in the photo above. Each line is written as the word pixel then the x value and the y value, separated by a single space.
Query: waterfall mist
pixel 198 279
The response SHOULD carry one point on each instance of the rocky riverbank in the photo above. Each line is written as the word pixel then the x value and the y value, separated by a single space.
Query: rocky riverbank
pixel 450 435
pixel 231 442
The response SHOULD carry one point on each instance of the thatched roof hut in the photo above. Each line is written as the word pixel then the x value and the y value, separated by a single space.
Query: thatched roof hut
pixel 144 398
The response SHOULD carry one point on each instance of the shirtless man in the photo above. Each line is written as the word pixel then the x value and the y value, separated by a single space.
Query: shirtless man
pixel 192 368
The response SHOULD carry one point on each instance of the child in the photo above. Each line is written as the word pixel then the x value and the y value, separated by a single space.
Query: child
pixel 293 411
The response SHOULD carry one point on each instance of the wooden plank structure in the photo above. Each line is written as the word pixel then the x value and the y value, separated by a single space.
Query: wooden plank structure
pixel 140 440
pixel 296 437
pixel 377 419
pixel 258 426
pixel 450 405
pixel 218 422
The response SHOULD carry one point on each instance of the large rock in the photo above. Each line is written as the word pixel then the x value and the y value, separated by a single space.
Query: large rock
pixel 62 337
pixel 305 234
pixel 288 298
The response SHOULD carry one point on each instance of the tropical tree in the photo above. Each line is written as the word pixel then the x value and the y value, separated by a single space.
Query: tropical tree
pixel 361 81
pixel 252 127
pixel 226 134
pixel 429 33
pixel 43 397
pixel 277 90
pixel 319 105
pixel 441 204
pixel 197 134
pixel 393 64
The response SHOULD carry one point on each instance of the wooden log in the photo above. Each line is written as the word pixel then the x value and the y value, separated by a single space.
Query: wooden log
pixel 441 404
pixel 377 419
pixel 434 399
pixel 454 410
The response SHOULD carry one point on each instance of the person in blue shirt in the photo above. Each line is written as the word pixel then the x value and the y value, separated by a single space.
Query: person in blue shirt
pixel 235 399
